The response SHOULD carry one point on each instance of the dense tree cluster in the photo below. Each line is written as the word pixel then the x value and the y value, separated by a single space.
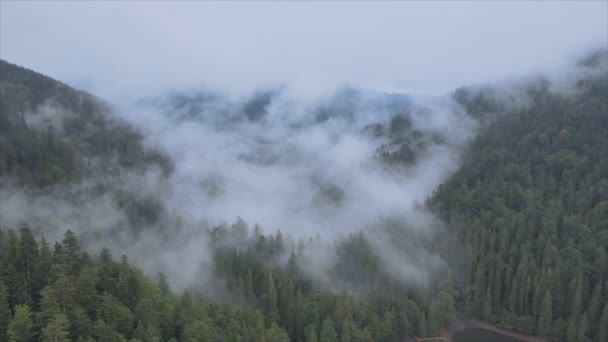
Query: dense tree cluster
pixel 83 131
pixel 528 212
pixel 527 241
pixel 61 293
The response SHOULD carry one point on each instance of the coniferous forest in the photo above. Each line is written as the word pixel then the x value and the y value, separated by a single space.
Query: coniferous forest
pixel 522 226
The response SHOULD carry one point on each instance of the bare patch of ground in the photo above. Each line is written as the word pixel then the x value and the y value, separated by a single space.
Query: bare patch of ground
pixel 466 323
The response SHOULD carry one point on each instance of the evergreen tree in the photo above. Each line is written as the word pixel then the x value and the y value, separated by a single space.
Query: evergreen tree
pixel 594 307
pixel 546 315
pixel 328 331
pixel 28 255
pixel 479 290
pixel 487 306
pixel 603 326
pixel 422 326
pixel 577 298
pixel 571 331
pixel 311 334
pixel 5 311
pixel 20 328
pixel 271 306
pixel 345 333
pixel 581 331
pixel 196 330
pixel 276 334
pixel 56 330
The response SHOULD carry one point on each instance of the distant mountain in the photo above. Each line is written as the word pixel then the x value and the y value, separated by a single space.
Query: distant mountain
pixel 218 109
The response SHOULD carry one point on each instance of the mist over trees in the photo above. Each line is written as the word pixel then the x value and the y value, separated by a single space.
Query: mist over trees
pixel 366 216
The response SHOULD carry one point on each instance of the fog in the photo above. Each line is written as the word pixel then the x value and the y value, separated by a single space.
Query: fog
pixel 312 120
pixel 305 168
pixel 289 172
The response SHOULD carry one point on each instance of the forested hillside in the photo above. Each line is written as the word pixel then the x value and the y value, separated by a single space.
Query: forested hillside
pixel 61 293
pixel 529 210
pixel 65 144
pixel 522 235
pixel 51 133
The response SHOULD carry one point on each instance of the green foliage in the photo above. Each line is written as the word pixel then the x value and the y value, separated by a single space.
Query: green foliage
pixel 527 245
pixel 56 330
pixel 20 328
pixel 5 312
pixel 603 325
pixel 276 334
pixel 328 331
pixel 528 210
pixel 546 316
pixel 109 300
pixel 52 135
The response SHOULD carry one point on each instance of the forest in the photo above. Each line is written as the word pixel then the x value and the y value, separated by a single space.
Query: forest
pixel 528 213
pixel 525 238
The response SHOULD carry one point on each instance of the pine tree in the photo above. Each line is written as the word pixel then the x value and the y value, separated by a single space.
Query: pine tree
pixel 498 279
pixel 272 311
pixel 581 331
pixel 487 306
pixel 603 326
pixel 276 334
pixel 311 334
pixel 422 326
pixel 577 299
pixel 249 291
pixel 328 331
pixel 80 324
pixel 594 306
pixel 70 258
pixel 5 311
pixel 49 307
pixel 479 290
pixel 546 315
pixel 447 309
pixel 86 291
pixel 104 333
pixel 163 284
pixel 115 315
pixel 571 331
pixel 45 263
pixel 56 330
pixel 434 320
pixel 537 295
pixel 28 254
pixel 345 333
pixel 196 330
pixel 20 327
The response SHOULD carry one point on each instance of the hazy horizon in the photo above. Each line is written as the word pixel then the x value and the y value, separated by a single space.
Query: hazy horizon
pixel 121 51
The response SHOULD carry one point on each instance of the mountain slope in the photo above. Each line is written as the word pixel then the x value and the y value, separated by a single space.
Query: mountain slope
pixel 528 210
pixel 51 133
pixel 527 214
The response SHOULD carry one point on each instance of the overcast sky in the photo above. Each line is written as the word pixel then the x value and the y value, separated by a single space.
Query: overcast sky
pixel 139 48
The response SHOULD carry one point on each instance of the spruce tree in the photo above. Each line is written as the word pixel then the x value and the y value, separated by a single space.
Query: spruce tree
pixel 546 315
pixel 20 327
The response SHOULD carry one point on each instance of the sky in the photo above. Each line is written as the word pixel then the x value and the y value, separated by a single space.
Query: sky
pixel 132 49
